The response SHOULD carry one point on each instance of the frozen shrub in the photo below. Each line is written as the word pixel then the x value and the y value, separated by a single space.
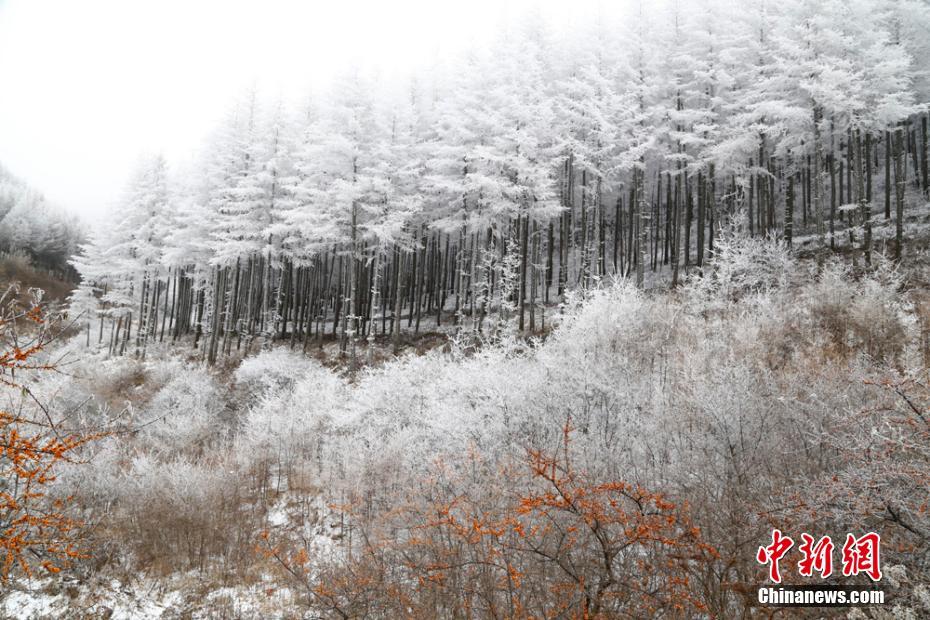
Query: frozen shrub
pixel 182 512
pixel 119 382
pixel 99 484
pixel 184 415
pixel 741 265
pixel 275 369
pixel 605 323
pixel 876 317
pixel 861 315
pixel 290 421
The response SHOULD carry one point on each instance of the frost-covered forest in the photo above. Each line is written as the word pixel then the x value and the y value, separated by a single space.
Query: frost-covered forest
pixel 33 228
pixel 560 328
pixel 484 190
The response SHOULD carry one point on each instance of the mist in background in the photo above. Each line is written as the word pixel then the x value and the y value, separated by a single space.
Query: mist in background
pixel 89 86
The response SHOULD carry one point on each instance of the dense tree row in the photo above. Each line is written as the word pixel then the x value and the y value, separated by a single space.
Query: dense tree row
pixel 482 191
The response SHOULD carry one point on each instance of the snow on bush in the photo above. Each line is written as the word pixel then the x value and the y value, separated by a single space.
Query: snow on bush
pixel 275 369
pixel 184 414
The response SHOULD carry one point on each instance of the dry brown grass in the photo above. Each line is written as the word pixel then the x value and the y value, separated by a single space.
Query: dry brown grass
pixel 16 271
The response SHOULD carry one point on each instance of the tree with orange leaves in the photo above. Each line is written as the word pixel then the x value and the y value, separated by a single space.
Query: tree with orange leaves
pixel 547 541
pixel 569 546
pixel 618 547
pixel 35 529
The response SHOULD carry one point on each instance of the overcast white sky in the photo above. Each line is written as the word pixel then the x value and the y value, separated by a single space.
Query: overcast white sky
pixel 88 85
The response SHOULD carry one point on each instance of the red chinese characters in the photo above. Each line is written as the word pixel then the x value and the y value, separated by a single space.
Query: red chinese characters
pixel 773 553
pixel 861 555
pixel 817 557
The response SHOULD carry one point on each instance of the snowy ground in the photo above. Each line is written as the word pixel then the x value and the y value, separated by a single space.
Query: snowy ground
pixel 183 596
pixel 187 595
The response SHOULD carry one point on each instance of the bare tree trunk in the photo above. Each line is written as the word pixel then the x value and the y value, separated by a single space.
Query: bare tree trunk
pixel 583 271
pixel 655 221
pixel 375 301
pixel 639 174
pixel 142 299
pixel 689 216
pixel 618 234
pixel 231 314
pixel 711 206
pixel 924 155
pixel 127 333
pixel 865 209
pixel 164 314
pixel 398 300
pixel 868 167
pixel 114 336
pixel 900 174
pixel 421 276
pixel 219 292
pixel 831 162
pixel 458 271
pixel 888 148
pixel 750 200
pixel 353 291
pixel 534 236
pixel 789 204
pixel 912 144
pixel 850 155
pixel 601 232
pixel 701 197
pixel 550 243
pixel 771 193
pixel 676 228
pixel 818 174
